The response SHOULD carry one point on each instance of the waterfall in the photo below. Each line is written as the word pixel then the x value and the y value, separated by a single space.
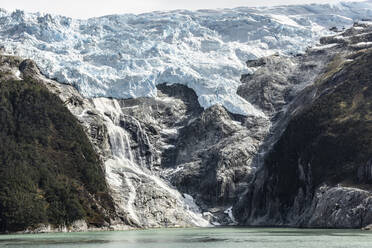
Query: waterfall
pixel 125 173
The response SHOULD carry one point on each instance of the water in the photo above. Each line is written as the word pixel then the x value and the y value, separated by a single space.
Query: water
pixel 196 238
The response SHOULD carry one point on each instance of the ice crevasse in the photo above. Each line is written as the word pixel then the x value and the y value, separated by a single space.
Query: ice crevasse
pixel 126 56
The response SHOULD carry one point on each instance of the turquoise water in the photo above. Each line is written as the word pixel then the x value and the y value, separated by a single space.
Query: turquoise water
pixel 197 238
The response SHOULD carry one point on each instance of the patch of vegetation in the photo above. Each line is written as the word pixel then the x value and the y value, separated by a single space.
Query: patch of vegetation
pixel 49 171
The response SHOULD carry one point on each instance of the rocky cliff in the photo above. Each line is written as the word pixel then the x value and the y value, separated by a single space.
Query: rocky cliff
pixel 316 171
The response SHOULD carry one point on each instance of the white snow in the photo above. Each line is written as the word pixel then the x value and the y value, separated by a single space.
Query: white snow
pixel 229 212
pixel 362 45
pixel 124 56
pixel 18 74
pixel 322 47
pixel 170 131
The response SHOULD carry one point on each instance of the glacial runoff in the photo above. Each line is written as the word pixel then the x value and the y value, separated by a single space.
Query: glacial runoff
pixel 126 56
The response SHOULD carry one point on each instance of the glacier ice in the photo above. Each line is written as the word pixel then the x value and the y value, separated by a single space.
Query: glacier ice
pixel 125 56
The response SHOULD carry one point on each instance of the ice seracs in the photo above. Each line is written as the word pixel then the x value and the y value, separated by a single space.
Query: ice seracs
pixel 126 56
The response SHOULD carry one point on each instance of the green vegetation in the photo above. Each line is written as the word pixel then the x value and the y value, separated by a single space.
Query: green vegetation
pixel 49 172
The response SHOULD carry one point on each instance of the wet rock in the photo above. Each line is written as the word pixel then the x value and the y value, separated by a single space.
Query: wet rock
pixel 256 62
pixel 341 207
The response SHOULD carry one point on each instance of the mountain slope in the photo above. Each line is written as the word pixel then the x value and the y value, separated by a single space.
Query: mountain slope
pixel 49 171
pixel 206 149
pixel 318 173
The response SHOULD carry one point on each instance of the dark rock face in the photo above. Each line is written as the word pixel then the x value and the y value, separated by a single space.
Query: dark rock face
pixel 203 153
pixel 207 170
pixel 365 172
pixel 323 138
pixel 257 63
pixel 340 207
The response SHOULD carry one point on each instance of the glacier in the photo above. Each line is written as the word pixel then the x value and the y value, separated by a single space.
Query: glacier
pixel 126 56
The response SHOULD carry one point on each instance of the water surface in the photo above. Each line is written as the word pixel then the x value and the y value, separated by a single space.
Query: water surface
pixel 196 238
